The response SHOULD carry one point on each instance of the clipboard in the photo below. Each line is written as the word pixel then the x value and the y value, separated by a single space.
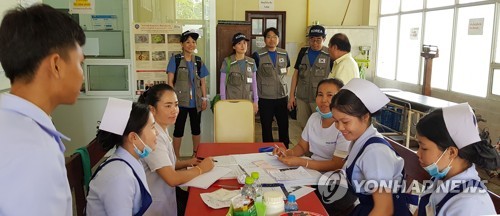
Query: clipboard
pixel 275 185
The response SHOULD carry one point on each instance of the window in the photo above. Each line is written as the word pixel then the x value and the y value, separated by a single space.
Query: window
pixel 439 21
pixel 496 82
pixel 409 5
pixel 463 31
pixel 389 6
pixel 386 60
pixel 409 48
pixel 472 50
pixel 439 3
pixel 189 9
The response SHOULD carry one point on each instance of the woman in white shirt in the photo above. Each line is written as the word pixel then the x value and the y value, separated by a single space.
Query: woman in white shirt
pixel 449 148
pixel 118 187
pixel 320 136
pixel 163 170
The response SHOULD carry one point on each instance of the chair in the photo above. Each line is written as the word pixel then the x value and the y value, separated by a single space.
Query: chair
pixel 234 121
pixel 74 170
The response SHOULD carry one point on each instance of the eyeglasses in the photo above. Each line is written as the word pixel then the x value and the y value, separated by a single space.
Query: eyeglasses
pixel 316 40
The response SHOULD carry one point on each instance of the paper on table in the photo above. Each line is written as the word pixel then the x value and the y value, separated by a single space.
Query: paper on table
pixel 300 191
pixel 220 198
pixel 206 179
pixel 226 160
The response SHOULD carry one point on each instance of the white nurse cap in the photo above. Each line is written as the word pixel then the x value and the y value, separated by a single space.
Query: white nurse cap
pixel 116 116
pixel 368 93
pixel 461 124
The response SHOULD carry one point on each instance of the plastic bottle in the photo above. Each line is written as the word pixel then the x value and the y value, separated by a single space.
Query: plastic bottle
pixel 291 204
pixel 256 184
pixel 273 200
pixel 249 190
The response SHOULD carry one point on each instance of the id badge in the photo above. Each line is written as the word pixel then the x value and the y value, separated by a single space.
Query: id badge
pixel 190 95
pixel 322 60
pixel 249 79
pixel 283 70
pixel 281 60
pixel 249 69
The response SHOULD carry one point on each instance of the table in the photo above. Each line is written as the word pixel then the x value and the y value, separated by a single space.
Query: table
pixel 414 104
pixel 196 206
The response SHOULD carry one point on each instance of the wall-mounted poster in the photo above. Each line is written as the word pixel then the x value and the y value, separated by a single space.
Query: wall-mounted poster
pixel 154 44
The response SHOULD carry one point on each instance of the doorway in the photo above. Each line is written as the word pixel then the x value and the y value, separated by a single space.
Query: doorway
pixel 260 21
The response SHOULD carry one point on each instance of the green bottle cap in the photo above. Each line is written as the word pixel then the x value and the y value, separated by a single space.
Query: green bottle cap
pixel 249 180
pixel 255 175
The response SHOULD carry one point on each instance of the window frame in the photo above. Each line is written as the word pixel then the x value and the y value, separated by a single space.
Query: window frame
pixel 493 65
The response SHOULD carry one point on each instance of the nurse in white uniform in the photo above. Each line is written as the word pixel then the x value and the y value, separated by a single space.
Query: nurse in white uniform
pixel 320 136
pixel 449 149
pixel 161 166
pixel 119 187
pixel 371 157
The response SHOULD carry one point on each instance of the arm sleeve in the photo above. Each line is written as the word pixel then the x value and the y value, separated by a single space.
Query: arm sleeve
pixel 222 86
pixel 159 157
pixel 204 70
pixel 255 57
pixel 376 156
pixel 171 65
pixel 254 86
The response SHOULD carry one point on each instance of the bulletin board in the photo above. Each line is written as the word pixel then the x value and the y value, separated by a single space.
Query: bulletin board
pixel 358 36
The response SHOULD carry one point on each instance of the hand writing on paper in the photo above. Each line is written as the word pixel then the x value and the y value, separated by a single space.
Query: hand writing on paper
pixel 280 152
pixel 193 161
pixel 207 164
pixel 292 161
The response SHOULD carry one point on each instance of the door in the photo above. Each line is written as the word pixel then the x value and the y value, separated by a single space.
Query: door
pixel 261 20
pixel 225 32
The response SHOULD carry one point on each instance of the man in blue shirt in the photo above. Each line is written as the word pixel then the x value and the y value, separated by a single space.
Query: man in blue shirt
pixel 40 51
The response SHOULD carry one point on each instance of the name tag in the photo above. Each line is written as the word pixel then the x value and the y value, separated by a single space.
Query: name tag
pixel 281 60
pixel 249 69
pixel 249 79
pixel 283 70
pixel 321 60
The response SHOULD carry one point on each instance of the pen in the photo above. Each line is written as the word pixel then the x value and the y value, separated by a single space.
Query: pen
pixel 277 147
pixel 229 186
pixel 200 158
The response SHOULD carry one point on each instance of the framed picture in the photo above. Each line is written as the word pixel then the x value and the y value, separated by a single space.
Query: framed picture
pixel 257 26
pixel 271 23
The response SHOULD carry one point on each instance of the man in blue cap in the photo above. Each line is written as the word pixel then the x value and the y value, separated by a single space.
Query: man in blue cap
pixel 312 65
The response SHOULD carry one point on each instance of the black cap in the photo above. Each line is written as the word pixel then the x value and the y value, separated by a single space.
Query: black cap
pixel 317 31
pixel 239 37
pixel 186 34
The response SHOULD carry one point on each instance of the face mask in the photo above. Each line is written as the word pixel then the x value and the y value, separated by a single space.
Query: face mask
pixel 145 152
pixel 324 115
pixel 433 169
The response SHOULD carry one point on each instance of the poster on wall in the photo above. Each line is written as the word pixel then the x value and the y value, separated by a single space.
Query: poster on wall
pixel 82 6
pixel 154 44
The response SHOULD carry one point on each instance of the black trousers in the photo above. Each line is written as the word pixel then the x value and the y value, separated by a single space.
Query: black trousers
pixel 194 120
pixel 269 108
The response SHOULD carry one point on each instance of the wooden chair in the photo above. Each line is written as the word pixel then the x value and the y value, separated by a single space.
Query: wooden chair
pixel 415 172
pixel 74 169
pixel 234 121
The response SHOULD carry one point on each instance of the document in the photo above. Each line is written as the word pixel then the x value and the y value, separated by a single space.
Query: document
pixel 206 179
pixel 220 198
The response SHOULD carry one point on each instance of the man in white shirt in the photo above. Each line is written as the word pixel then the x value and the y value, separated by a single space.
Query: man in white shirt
pixel 345 67
pixel 40 51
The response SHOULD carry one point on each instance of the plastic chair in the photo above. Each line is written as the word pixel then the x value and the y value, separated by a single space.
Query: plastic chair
pixel 234 121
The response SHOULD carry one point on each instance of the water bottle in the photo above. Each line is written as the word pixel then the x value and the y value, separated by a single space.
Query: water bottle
pixel 256 184
pixel 291 205
pixel 249 190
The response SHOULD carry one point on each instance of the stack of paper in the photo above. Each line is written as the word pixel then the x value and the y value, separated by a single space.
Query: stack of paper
pixel 206 179
pixel 220 198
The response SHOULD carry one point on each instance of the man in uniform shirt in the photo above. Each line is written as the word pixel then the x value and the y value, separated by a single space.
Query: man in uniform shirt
pixel 40 51
pixel 313 64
